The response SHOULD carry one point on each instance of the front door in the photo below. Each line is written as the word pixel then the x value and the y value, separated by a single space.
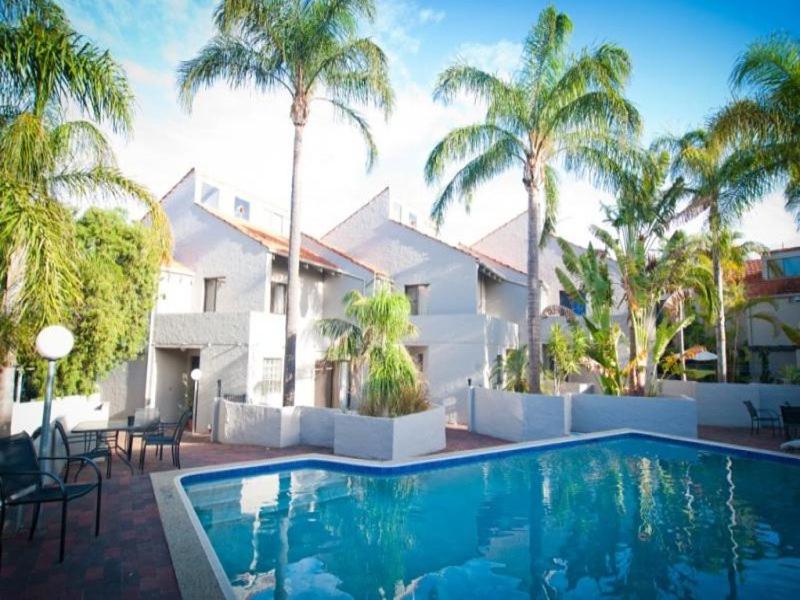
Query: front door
pixel 323 384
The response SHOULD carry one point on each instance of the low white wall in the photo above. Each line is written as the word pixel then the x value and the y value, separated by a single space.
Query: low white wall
pixel 389 438
pixel 671 416
pixel 720 404
pixel 239 423
pixel 520 417
pixel 317 426
pixel 70 410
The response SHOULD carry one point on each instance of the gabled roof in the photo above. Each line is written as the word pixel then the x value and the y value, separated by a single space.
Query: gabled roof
pixel 274 243
pixel 346 256
pixel 756 285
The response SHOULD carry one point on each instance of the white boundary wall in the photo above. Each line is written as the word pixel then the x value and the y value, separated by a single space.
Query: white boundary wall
pixel 670 416
pixel 239 423
pixel 520 417
pixel 70 410
pixel 720 404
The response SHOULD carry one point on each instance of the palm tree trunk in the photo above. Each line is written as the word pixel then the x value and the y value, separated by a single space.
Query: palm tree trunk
pixel 534 288
pixel 682 344
pixel 719 284
pixel 293 287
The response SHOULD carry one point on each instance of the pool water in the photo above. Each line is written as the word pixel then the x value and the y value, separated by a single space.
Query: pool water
pixel 622 517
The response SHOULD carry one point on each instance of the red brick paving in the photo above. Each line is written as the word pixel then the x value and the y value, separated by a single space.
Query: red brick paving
pixel 741 436
pixel 130 559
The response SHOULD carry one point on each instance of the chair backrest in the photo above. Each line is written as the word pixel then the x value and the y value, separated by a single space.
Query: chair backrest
pixel 59 429
pixel 790 415
pixel 750 408
pixel 17 453
pixel 182 422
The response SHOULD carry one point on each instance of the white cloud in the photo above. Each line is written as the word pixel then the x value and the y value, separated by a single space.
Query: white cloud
pixel 429 15
pixel 500 57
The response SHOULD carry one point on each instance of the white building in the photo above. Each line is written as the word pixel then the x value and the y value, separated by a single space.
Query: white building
pixel 221 301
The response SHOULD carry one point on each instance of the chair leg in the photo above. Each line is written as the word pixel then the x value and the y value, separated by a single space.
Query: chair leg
pixel 63 529
pixel 2 526
pixel 108 465
pixel 66 472
pixel 97 515
pixel 177 451
pixel 34 520
pixel 161 452
pixel 142 454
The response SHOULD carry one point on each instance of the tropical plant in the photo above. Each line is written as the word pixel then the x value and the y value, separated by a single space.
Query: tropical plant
pixel 567 351
pixel 559 109
pixel 586 279
pixel 722 181
pixel 311 50
pixel 118 273
pixel 371 337
pixel 47 161
pixel 511 370
pixel 767 113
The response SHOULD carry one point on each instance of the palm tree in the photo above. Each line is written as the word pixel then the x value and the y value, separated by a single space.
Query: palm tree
pixel 768 113
pixel 372 336
pixel 310 50
pixel 558 109
pixel 722 181
pixel 48 162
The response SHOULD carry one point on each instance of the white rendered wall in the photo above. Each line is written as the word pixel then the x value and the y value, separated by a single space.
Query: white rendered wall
pixel 70 410
pixel 175 292
pixel 671 416
pixel 520 417
pixel 123 389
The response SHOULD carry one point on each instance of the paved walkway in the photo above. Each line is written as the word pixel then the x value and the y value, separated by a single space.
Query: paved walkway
pixel 130 559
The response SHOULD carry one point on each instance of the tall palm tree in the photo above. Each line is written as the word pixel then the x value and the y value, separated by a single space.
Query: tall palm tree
pixel 767 78
pixel 723 181
pixel 311 50
pixel 48 163
pixel 558 109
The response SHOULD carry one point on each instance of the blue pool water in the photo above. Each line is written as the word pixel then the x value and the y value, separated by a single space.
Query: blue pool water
pixel 623 517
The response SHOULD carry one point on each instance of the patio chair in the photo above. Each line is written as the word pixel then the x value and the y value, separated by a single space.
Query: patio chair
pixel 790 415
pixel 92 449
pixel 169 434
pixel 761 415
pixel 23 481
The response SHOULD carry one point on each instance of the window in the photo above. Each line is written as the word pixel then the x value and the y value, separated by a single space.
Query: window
pixel 575 306
pixel 277 298
pixel 241 208
pixel 212 285
pixel 271 381
pixel 783 267
pixel 416 296
pixel 209 196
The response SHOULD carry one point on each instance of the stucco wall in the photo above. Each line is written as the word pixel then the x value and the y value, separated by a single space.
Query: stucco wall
pixel 507 301
pixel 256 424
pixel 124 388
pixel 671 416
pixel 176 292
pixel 520 417
pixel 70 410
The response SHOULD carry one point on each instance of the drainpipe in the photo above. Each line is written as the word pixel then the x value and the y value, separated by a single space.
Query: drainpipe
pixel 471 404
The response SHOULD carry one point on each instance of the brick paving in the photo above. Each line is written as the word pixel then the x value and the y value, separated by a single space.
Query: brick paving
pixel 130 559
pixel 741 436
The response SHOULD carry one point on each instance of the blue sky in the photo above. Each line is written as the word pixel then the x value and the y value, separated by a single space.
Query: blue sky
pixel 682 53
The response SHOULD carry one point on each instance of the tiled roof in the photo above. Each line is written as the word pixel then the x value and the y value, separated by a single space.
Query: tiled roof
pixel 274 243
pixel 756 285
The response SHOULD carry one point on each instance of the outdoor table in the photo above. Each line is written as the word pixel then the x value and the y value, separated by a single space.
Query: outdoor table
pixel 140 425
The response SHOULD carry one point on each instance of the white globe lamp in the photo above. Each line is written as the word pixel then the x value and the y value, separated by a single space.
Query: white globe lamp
pixel 195 376
pixel 53 343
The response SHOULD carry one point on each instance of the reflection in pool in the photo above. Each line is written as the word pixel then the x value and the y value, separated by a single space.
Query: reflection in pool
pixel 627 516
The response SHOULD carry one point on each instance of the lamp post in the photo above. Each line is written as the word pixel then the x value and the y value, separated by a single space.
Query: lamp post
pixel 52 343
pixel 195 376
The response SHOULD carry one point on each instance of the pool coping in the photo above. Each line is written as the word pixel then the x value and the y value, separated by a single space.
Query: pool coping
pixel 197 568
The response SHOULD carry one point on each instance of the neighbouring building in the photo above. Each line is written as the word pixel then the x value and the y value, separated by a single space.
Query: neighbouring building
pixel 775 278
pixel 221 301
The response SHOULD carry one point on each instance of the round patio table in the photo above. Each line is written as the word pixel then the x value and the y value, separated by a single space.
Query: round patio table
pixel 116 426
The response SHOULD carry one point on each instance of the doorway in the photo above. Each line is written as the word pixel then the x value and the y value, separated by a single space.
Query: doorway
pixel 325 391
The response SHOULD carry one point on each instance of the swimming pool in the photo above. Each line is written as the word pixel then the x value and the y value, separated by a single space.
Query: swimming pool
pixel 626 515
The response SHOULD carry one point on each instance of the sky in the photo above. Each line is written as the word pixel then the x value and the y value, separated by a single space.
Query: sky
pixel 682 53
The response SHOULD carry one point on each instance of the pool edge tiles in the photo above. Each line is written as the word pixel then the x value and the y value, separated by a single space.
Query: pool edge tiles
pixel 197 567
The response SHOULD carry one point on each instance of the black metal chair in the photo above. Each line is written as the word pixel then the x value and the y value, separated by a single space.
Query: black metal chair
pixel 169 434
pixel 23 481
pixel 93 447
pixel 790 415
pixel 761 415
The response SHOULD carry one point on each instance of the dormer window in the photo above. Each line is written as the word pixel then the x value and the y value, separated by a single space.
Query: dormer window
pixel 241 209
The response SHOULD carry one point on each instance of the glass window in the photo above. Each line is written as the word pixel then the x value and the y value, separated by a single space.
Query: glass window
pixel 783 267
pixel 209 196
pixel 211 288
pixel 272 378
pixel 576 306
pixel 241 208
pixel 277 299
pixel 415 295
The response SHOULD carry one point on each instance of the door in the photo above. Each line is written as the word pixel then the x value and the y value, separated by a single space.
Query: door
pixel 323 384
